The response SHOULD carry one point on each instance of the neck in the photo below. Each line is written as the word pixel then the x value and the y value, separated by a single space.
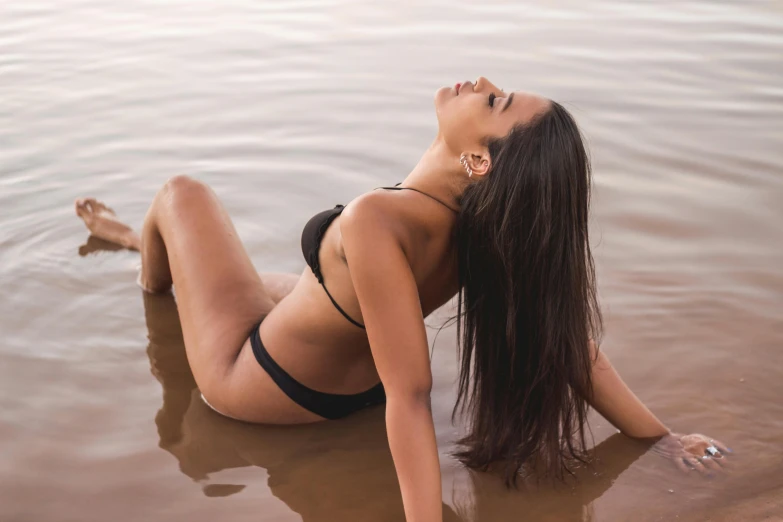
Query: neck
pixel 439 173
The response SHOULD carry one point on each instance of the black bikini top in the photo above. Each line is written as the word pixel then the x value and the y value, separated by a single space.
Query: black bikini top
pixel 314 232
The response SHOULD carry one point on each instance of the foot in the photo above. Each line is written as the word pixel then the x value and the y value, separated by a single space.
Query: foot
pixel 103 223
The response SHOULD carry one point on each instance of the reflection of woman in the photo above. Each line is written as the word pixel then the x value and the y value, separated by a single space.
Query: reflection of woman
pixel 496 210
pixel 337 471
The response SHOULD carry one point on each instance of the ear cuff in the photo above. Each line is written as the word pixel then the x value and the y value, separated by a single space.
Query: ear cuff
pixel 464 161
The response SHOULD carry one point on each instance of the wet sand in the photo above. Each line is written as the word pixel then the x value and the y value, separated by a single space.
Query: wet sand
pixel 287 109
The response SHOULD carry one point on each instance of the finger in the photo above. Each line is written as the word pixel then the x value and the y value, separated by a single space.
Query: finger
pixel 722 447
pixel 713 451
pixel 696 464
pixel 687 462
pixel 723 462
pixel 710 464
pixel 680 463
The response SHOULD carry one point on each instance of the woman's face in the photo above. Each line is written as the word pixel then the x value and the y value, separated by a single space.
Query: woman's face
pixel 468 113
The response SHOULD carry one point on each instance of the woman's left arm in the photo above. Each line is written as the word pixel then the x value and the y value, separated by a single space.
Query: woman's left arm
pixel 613 399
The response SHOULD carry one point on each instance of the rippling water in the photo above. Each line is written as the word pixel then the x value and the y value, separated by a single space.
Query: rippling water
pixel 287 108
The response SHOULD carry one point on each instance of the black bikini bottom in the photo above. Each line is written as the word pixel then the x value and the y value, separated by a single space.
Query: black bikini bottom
pixel 328 405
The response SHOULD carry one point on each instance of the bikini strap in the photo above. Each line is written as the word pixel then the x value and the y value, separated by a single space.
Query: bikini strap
pixel 340 309
pixel 397 187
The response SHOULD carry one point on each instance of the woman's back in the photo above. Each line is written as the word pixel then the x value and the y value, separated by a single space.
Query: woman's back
pixel 307 334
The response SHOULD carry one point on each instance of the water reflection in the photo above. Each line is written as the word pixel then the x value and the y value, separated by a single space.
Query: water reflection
pixel 95 244
pixel 335 470
pixel 544 502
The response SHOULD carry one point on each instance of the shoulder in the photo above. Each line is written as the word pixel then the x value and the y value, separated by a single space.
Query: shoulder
pixel 374 220
pixel 372 212
pixel 373 203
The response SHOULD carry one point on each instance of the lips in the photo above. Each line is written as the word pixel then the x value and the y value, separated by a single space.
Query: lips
pixel 461 86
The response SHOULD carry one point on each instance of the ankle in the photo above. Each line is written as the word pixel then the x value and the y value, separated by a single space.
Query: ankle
pixel 131 241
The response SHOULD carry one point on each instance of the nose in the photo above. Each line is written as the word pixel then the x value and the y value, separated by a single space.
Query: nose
pixel 484 84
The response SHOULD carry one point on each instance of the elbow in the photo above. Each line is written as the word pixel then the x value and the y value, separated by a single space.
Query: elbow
pixel 423 398
pixel 406 408
pixel 593 348
pixel 598 359
pixel 411 395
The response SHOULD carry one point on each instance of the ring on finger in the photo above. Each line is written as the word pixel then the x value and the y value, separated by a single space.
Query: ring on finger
pixel 712 450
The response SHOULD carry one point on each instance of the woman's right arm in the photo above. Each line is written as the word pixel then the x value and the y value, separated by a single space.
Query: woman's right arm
pixel 391 310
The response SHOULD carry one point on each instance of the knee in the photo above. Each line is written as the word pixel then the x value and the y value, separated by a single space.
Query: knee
pixel 182 183
pixel 182 189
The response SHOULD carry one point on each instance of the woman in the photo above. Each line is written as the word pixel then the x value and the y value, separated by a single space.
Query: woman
pixel 497 211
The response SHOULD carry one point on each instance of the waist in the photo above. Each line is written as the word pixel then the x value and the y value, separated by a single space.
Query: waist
pixel 323 353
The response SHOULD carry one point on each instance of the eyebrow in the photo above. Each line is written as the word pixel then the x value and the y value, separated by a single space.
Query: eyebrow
pixel 508 103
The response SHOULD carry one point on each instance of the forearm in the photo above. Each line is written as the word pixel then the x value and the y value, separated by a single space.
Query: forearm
pixel 619 405
pixel 414 450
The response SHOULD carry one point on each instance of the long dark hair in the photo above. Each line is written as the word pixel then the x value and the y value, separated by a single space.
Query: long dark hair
pixel 527 306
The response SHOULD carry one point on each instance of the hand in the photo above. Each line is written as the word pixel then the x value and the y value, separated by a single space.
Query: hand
pixel 689 452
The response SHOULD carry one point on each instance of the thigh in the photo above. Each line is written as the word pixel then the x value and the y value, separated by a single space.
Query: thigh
pixel 220 295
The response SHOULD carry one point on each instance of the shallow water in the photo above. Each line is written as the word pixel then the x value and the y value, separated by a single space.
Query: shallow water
pixel 287 108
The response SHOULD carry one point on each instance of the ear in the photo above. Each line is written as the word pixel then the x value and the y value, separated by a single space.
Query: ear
pixel 479 162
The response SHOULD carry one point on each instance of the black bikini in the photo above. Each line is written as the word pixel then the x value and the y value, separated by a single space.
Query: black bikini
pixel 327 405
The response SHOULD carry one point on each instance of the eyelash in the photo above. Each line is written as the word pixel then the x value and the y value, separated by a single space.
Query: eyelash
pixel 492 99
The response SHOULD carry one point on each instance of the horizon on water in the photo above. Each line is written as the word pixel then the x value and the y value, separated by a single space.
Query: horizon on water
pixel 288 108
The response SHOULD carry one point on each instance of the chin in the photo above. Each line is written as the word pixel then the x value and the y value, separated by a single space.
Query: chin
pixel 441 96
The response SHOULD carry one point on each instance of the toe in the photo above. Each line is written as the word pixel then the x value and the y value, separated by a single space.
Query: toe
pixel 86 207
pixel 81 208
pixel 91 204
pixel 100 206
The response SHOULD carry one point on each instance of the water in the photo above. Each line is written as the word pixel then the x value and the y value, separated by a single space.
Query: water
pixel 287 108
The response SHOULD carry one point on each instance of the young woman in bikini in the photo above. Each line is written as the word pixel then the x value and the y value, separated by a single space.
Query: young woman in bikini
pixel 495 212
